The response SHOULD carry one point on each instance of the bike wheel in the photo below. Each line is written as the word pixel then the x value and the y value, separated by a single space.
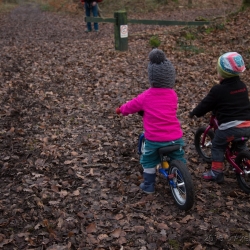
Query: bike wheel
pixel 204 151
pixel 182 187
pixel 242 160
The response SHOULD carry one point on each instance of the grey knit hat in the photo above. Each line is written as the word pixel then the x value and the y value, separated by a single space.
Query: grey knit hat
pixel 161 72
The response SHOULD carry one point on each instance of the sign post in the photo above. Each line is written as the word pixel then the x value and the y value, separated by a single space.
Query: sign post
pixel 121 30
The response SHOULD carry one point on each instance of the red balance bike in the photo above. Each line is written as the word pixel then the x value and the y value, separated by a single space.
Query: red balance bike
pixel 239 161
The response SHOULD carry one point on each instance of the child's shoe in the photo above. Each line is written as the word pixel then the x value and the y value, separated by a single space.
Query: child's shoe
pixel 148 186
pixel 214 175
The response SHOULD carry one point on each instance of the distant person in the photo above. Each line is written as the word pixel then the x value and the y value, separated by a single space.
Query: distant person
pixel 89 6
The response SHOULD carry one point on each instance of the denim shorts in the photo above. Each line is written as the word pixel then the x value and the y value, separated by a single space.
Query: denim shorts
pixel 150 156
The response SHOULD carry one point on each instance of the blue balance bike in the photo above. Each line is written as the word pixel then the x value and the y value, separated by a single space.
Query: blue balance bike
pixel 176 173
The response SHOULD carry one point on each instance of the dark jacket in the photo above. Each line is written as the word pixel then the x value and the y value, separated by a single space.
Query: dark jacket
pixel 229 100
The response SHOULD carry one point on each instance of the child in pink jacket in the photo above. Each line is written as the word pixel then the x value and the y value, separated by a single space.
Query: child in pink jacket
pixel 159 105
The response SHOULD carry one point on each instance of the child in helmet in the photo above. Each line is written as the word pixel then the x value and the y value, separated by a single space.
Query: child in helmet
pixel 159 105
pixel 229 100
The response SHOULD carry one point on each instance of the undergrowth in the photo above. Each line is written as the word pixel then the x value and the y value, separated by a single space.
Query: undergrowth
pixel 108 7
pixel 6 6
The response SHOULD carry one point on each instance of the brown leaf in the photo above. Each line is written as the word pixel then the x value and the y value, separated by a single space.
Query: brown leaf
pixel 116 233
pixel 91 239
pixel 57 247
pixel 12 130
pixel 229 203
pixel 63 193
pixel 198 247
pixel 46 223
pixel 68 162
pixel 102 236
pixel 186 219
pixel 55 188
pixel 2 237
pixel 60 222
pixel 40 204
pixel 162 226
pixel 139 229
pixel 122 240
pixel 5 242
pixel 70 234
pixel 119 216
pixel 91 228
pixel 81 215
pixel 76 192
pixel 91 171
pixel 80 176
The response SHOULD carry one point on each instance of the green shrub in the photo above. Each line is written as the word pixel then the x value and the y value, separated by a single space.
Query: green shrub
pixel 154 42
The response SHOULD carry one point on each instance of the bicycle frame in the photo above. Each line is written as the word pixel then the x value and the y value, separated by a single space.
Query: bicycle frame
pixel 230 155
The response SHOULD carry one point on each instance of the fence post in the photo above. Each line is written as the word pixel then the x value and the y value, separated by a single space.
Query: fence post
pixel 121 30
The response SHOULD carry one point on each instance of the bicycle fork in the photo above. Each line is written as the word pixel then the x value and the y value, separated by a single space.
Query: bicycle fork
pixel 236 168
pixel 169 177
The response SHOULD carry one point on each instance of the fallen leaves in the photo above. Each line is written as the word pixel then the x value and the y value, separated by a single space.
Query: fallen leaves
pixel 91 228
pixel 69 165
pixel 186 219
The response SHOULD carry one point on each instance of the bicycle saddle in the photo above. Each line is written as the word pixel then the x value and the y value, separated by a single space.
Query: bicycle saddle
pixel 168 149
pixel 240 139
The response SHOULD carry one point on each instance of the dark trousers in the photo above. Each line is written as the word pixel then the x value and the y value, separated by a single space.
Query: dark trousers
pixel 94 9
pixel 223 137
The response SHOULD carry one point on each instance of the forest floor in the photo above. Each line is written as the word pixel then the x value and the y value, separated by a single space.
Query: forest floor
pixel 69 167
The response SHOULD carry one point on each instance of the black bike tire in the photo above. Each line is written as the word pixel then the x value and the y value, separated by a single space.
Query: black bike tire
pixel 188 182
pixel 242 155
pixel 197 139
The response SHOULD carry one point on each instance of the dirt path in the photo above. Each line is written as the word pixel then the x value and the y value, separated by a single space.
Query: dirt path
pixel 69 168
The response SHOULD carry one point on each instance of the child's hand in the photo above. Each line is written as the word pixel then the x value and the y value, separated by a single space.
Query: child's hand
pixel 118 111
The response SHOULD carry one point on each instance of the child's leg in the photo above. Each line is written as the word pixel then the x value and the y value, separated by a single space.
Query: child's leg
pixel 87 11
pixel 148 185
pixel 219 144
pixel 220 141
pixel 95 14
pixel 149 159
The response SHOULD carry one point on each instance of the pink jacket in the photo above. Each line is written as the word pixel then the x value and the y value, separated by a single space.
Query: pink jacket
pixel 159 120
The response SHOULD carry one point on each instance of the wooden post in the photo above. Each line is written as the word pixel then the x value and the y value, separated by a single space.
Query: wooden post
pixel 121 30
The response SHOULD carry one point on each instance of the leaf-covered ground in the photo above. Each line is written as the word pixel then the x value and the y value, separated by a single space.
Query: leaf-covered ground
pixel 69 167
